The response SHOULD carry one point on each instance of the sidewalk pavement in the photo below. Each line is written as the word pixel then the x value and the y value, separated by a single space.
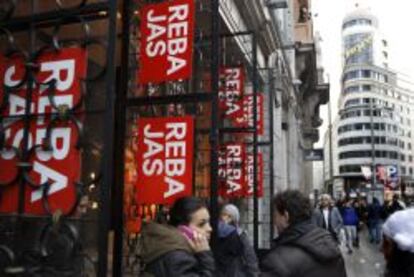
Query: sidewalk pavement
pixel 367 261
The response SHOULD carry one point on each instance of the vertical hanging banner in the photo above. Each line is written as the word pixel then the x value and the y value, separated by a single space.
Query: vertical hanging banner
pixel 250 176
pixel 67 67
pixel 247 117
pixel 165 159
pixel 12 72
pixel 232 170
pixel 231 90
pixel 167 31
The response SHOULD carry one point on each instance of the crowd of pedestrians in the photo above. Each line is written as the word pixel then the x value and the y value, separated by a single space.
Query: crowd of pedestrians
pixel 308 241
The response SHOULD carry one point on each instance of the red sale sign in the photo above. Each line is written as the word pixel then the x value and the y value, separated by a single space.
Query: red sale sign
pixel 232 170
pixel 250 176
pixel 247 118
pixel 165 159
pixel 59 166
pixel 231 91
pixel 166 41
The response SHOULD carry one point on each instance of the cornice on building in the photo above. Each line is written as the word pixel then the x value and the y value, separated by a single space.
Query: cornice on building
pixel 312 93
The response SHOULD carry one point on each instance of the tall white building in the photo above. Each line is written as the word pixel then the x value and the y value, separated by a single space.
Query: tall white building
pixel 375 121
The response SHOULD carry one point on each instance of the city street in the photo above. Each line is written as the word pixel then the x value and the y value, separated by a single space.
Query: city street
pixel 367 261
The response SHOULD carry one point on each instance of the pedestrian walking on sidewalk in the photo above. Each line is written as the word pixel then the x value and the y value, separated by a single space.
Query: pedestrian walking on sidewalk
pixel 351 221
pixel 180 248
pixel 392 206
pixel 234 254
pixel 328 217
pixel 361 210
pixel 374 221
pixel 398 244
pixel 302 248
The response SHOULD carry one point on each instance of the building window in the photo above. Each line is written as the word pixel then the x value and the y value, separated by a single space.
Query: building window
pixel 351 75
pixel 354 22
pixel 366 73
pixel 368 154
pixel 350 168
pixel 352 102
pixel 366 87
pixel 364 140
pixel 352 89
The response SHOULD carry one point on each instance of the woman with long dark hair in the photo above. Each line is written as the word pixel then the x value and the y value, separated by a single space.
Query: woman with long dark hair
pixel 398 244
pixel 180 248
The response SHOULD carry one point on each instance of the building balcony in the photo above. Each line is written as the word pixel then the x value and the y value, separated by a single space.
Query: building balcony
pixel 367 147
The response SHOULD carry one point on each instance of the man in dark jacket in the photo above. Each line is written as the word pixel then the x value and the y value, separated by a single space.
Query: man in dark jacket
pixel 302 249
pixel 374 221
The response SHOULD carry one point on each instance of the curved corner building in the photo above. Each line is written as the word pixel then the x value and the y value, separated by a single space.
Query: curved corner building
pixel 369 98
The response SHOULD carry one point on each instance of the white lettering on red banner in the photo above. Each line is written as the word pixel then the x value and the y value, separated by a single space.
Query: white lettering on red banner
pixel 247 118
pixel 67 67
pixel 166 41
pixel 231 91
pixel 250 175
pixel 231 170
pixel 165 159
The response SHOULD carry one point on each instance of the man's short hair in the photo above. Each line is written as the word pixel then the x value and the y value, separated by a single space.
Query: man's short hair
pixel 295 203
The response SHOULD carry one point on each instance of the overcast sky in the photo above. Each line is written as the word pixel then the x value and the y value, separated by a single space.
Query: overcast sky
pixel 394 23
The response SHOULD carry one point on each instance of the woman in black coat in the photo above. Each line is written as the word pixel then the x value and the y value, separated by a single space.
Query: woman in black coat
pixel 180 248
pixel 234 254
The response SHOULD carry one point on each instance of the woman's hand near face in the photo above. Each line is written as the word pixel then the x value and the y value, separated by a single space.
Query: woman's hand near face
pixel 199 243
